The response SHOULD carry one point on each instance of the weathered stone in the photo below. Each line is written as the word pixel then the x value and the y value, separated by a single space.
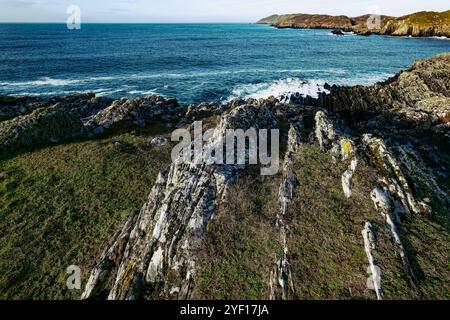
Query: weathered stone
pixel 158 142
pixel 374 281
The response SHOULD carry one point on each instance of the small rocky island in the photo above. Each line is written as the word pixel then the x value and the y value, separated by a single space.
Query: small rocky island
pixel 363 185
pixel 420 24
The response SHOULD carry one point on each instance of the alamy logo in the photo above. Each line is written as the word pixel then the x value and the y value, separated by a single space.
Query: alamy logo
pixel 374 21
pixel 229 148
pixel 74 19
pixel 73 281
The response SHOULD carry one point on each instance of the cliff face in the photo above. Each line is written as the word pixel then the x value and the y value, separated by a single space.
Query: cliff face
pixel 420 24
pixel 359 208
pixel 318 21
pixel 309 21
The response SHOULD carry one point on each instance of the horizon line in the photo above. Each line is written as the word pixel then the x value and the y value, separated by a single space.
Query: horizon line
pixel 134 22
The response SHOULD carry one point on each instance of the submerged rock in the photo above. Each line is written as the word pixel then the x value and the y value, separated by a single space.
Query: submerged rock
pixel 337 32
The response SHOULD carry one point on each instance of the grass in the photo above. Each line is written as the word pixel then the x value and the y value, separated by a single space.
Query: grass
pixel 428 18
pixel 325 242
pixel 60 204
pixel 241 244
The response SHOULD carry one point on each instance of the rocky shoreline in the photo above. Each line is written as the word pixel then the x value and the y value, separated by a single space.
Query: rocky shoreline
pixel 420 24
pixel 400 129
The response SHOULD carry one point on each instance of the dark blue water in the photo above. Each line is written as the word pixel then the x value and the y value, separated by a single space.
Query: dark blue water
pixel 195 62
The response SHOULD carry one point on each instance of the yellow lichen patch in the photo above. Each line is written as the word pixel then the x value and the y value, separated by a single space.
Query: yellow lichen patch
pixel 126 276
pixel 346 148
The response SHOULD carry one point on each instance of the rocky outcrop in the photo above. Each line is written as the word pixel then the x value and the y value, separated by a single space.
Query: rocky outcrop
pixel 11 107
pixel 139 112
pixel 416 97
pixel 374 281
pixel 281 278
pixel 160 256
pixel 109 261
pixel 45 125
pixel 158 142
pixel 79 116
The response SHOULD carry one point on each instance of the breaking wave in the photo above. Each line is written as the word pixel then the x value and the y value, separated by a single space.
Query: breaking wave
pixel 288 86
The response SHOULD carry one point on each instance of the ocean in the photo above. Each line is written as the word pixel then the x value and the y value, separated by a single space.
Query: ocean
pixel 195 62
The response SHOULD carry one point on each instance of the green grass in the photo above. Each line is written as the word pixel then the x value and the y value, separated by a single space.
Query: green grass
pixel 242 242
pixel 59 206
pixel 428 18
pixel 325 242
pixel 327 247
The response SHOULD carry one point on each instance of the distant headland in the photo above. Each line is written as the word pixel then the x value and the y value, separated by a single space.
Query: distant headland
pixel 419 24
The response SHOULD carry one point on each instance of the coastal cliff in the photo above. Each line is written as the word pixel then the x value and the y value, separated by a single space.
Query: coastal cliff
pixel 420 24
pixel 309 21
pixel 358 210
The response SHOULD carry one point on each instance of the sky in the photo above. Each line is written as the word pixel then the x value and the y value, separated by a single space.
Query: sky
pixel 201 10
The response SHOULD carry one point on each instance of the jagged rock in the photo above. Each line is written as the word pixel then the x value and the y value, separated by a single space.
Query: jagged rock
pixel 347 178
pixel 299 98
pixel 203 110
pixel 382 202
pixel 110 259
pixel 41 126
pixel 158 142
pixel 392 175
pixel 137 112
pixel 281 278
pixel 419 95
pixel 81 116
pixel 332 134
pixel 159 260
pixel 86 104
pixel 29 121
pixel 412 162
pixel 374 282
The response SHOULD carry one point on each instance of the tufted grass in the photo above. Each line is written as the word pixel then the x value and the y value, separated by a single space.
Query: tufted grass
pixel 242 242
pixel 60 204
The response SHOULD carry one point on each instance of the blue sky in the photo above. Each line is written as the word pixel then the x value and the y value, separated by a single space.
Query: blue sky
pixel 200 10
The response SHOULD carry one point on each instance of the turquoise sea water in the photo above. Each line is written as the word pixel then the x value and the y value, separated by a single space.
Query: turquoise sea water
pixel 195 62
